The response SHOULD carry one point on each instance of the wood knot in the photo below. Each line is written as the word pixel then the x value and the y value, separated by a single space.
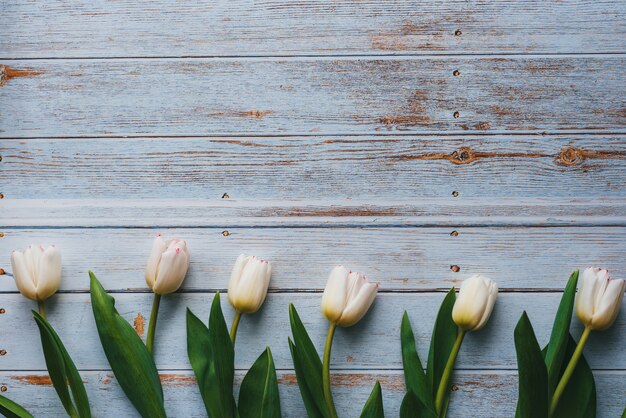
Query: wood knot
pixel 463 155
pixel 571 156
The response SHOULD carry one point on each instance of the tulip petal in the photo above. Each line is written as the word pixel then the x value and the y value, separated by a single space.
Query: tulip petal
pixel 172 270
pixel 492 289
pixel 235 276
pixel 470 303
pixel 585 300
pixel 22 276
pixel 158 248
pixel 359 305
pixel 610 302
pixel 49 273
pixel 335 293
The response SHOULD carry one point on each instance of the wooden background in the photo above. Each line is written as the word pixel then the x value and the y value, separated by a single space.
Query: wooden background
pixel 419 142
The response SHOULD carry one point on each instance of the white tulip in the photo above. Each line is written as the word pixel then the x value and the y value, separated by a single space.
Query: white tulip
pixel 37 271
pixel 167 265
pixel 347 296
pixel 474 303
pixel 248 283
pixel 599 298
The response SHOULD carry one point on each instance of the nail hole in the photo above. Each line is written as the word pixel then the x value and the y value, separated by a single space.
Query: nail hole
pixel 454 233
pixel 455 388
pixel 225 233
pixel 458 33
pixel 2 310
pixel 225 196
pixel 2 272
pixel 456 115
pixel 3 352
pixel 456 73
pixel 3 388
pixel 1 234
pixel 0 157
pixel 1 196
pixel 455 268
pixel 455 194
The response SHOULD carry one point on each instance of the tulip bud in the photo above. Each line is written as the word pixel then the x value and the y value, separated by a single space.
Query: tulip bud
pixel 347 296
pixel 37 271
pixel 474 303
pixel 248 284
pixel 599 298
pixel 167 265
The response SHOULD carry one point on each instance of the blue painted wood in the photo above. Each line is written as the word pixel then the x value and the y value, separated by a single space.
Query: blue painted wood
pixel 331 127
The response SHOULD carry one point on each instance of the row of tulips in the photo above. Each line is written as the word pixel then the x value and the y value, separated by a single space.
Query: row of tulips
pixel 553 382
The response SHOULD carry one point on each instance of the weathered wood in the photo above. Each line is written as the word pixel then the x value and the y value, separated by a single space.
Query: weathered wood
pixel 333 168
pixel 374 343
pixel 307 95
pixel 232 213
pixel 400 259
pixel 174 28
pixel 487 394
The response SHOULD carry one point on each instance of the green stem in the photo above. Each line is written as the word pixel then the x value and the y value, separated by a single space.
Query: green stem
pixel 444 384
pixel 328 396
pixel 571 366
pixel 42 309
pixel 153 320
pixel 233 328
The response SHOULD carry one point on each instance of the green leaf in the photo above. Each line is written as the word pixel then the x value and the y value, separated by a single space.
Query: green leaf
pixel 212 357
pixel 307 397
pixel 258 396
pixel 412 407
pixel 560 334
pixel 62 370
pixel 11 409
pixel 306 358
pixel 374 406
pixel 533 374
pixel 444 335
pixel 128 357
pixel 579 398
pixel 414 375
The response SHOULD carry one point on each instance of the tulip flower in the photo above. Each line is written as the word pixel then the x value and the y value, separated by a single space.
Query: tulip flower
pixel 471 311
pixel 347 298
pixel 597 305
pixel 474 303
pixel 247 287
pixel 165 272
pixel 37 272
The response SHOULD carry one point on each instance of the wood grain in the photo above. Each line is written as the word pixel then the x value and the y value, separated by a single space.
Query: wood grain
pixel 374 343
pixel 400 259
pixel 321 96
pixel 185 28
pixel 331 168
pixel 487 394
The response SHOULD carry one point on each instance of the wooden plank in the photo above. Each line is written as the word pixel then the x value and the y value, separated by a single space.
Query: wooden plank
pixel 374 343
pixel 400 259
pixel 486 394
pixel 333 168
pixel 62 98
pixel 169 28
pixel 232 213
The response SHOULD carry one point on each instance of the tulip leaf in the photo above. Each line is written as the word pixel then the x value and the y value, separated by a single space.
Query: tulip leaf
pixel 128 357
pixel 579 397
pixel 374 406
pixel 412 407
pixel 533 374
pixel 414 375
pixel 258 396
pixel 212 357
pixel 441 343
pixel 11 409
pixel 560 334
pixel 307 361
pixel 62 370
